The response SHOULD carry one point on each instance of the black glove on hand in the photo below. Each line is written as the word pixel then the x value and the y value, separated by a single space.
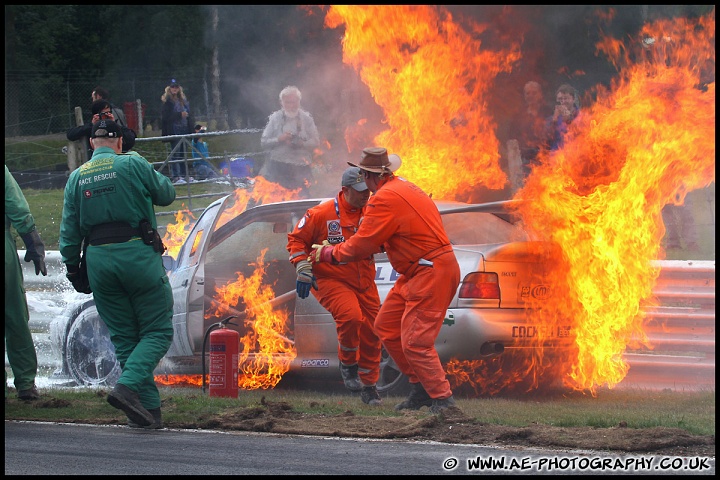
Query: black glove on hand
pixel 79 282
pixel 305 279
pixel 35 251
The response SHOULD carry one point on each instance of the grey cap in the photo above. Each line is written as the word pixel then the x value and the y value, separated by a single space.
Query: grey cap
pixel 352 177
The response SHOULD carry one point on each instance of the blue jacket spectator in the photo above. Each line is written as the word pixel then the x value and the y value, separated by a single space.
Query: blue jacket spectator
pixel 203 169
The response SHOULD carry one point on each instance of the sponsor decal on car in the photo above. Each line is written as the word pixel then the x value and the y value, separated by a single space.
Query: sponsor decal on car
pixel 315 363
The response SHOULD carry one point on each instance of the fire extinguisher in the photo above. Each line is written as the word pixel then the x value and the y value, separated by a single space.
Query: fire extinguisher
pixel 224 353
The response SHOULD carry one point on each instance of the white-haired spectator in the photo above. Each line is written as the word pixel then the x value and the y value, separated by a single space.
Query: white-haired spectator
pixel 290 138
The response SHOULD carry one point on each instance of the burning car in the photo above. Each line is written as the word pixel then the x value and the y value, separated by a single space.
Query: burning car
pixel 233 262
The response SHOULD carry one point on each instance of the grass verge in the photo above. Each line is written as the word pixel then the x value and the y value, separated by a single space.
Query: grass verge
pixel 693 412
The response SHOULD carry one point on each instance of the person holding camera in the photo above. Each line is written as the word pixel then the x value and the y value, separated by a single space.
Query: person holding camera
pixel 109 203
pixel 101 109
pixel 100 93
pixel 567 108
pixel 290 138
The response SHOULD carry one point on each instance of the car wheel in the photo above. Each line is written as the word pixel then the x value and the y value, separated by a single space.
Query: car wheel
pixel 90 355
pixel 392 381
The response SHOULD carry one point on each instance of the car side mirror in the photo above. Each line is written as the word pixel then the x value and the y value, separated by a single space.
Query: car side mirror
pixel 168 262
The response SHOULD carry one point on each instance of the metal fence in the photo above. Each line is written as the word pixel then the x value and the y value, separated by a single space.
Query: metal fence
pixel 226 175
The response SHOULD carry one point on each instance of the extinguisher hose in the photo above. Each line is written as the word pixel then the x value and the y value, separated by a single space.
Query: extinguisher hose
pixel 220 324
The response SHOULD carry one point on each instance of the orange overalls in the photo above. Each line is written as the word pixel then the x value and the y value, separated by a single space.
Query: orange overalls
pixel 405 219
pixel 347 291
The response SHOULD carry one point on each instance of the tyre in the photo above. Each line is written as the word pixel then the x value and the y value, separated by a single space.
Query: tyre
pixel 89 354
pixel 392 381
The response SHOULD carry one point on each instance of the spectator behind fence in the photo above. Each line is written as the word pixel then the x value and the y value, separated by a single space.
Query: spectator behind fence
pixel 680 226
pixel 567 108
pixel 101 109
pixel 528 129
pixel 100 93
pixel 203 168
pixel 177 119
pixel 290 138
pixel 19 345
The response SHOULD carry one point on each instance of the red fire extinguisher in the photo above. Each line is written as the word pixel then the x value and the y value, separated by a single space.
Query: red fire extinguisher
pixel 224 352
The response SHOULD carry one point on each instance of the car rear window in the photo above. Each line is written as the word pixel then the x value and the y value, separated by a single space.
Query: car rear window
pixel 476 228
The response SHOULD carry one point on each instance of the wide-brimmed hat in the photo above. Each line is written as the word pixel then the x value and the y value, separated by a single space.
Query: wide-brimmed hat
pixel 377 160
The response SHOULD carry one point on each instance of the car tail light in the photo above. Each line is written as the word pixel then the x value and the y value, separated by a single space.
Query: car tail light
pixel 480 285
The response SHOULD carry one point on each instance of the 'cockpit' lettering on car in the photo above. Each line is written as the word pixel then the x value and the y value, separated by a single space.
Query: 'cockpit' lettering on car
pixel 532 331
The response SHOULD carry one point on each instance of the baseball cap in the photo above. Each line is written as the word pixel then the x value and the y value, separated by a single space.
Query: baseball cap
pixel 174 83
pixel 106 129
pixel 353 178
pixel 377 160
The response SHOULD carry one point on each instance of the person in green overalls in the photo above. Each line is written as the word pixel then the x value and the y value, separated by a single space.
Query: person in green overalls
pixel 109 201
pixel 19 344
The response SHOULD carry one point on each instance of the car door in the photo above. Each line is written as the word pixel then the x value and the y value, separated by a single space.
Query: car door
pixel 187 281
pixel 241 247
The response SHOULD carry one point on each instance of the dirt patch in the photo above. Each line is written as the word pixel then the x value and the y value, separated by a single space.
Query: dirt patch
pixel 452 426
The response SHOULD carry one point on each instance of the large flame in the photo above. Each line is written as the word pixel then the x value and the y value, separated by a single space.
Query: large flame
pixel 646 142
pixel 267 352
pixel 430 77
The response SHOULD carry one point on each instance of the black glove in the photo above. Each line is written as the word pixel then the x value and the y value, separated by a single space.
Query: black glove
pixel 35 251
pixel 305 279
pixel 79 280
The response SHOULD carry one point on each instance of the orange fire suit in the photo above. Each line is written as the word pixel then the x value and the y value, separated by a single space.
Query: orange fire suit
pixel 406 221
pixel 347 291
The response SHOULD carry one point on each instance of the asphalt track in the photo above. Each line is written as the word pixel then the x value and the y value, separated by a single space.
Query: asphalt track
pixel 39 448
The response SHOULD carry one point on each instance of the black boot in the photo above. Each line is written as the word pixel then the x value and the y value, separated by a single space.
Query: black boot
pixel 122 398
pixel 440 404
pixel 350 377
pixel 417 399
pixel 156 425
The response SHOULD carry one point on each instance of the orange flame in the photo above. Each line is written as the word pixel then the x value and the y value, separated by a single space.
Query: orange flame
pixel 426 73
pixel 263 191
pixel 266 351
pixel 176 233
pixel 266 341
pixel 646 142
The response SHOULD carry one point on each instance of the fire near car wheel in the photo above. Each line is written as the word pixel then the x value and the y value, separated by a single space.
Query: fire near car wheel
pixel 392 381
pixel 90 355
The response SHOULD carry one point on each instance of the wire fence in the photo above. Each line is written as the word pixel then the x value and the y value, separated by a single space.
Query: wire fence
pixel 36 107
